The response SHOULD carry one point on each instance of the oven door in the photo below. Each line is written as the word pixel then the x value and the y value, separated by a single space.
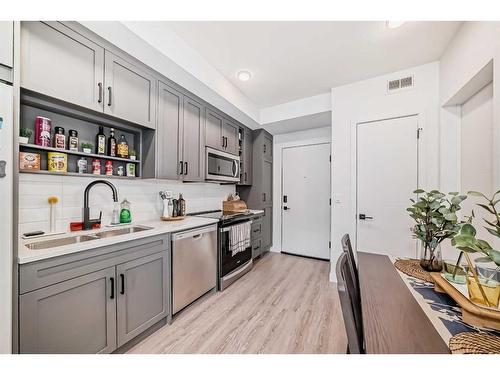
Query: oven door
pixel 228 262
pixel 222 166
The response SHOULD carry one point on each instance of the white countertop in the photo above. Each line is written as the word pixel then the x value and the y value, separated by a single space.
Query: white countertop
pixel 26 255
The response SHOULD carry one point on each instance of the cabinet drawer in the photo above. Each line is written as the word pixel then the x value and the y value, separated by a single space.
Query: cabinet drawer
pixel 256 229
pixel 256 247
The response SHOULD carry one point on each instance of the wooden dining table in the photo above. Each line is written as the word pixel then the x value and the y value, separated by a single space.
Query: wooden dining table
pixel 393 321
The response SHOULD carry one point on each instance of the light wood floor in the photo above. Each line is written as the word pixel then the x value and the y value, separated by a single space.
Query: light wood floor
pixel 286 304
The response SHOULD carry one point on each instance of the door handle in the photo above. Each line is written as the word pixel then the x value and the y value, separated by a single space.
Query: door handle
pixel 223 141
pixel 112 296
pixel 186 164
pixel 122 280
pixel 364 217
pixel 99 85
pixel 245 176
pixel 263 197
pixel 109 96
pixel 181 168
pixel 198 236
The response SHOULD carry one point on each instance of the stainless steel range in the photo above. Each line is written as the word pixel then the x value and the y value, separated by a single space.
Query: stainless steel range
pixel 231 265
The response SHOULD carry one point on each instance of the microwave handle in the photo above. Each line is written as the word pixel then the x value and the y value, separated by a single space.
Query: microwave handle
pixel 235 168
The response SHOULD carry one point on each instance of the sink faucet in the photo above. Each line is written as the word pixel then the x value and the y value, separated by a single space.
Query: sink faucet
pixel 87 222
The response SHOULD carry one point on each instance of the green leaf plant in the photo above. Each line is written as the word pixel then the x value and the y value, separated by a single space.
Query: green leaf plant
pixel 435 215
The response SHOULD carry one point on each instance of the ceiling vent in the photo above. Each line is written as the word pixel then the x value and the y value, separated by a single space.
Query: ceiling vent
pixel 397 85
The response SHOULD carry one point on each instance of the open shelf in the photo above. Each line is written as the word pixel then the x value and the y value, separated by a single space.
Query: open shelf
pixel 77 153
pixel 76 174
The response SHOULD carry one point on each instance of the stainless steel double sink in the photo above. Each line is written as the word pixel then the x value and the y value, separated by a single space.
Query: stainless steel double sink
pixel 64 241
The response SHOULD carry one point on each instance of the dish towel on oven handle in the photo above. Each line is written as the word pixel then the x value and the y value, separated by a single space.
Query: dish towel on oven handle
pixel 239 237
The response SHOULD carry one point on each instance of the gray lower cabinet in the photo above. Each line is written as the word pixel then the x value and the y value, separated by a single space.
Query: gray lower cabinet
pixel 180 136
pixel 94 301
pixel 75 316
pixel 130 92
pixel 256 237
pixel 142 298
pixel 267 228
pixel 58 62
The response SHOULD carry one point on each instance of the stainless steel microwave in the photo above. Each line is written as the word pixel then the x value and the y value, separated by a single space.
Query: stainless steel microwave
pixel 222 166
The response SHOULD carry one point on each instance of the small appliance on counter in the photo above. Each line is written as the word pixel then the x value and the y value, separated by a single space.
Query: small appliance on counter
pixel 234 205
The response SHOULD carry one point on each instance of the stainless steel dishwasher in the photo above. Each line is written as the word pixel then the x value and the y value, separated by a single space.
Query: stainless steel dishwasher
pixel 194 265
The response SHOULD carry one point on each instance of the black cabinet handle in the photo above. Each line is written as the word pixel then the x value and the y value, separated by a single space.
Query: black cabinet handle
pixel 364 217
pixel 112 279
pixel 186 164
pixel 263 197
pixel 109 96
pixel 99 85
pixel 245 176
pixel 122 280
pixel 223 141
pixel 181 168
pixel 265 149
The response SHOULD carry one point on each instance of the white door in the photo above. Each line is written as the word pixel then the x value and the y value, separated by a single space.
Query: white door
pixel 306 200
pixel 387 175
pixel 6 197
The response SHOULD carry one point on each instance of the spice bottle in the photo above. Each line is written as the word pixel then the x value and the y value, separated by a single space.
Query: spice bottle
pixel 59 138
pixel 96 166
pixel 108 168
pixel 73 140
pixel 122 147
pixel 82 165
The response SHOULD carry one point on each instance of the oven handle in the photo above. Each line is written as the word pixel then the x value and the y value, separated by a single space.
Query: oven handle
pixel 227 229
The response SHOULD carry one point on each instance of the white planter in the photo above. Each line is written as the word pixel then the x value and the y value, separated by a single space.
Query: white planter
pixel 23 140
pixel 87 150
pixel 132 157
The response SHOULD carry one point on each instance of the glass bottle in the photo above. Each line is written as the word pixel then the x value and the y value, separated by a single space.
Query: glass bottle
pixel 112 143
pixel 122 147
pixel 100 142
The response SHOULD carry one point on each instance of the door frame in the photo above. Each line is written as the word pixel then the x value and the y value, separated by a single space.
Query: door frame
pixel 421 160
pixel 313 143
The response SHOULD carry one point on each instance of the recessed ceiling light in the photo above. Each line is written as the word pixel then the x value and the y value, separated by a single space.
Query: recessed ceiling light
pixel 394 24
pixel 244 75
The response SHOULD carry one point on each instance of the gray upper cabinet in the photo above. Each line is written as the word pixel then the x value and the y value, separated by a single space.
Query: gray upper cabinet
pixel 267 182
pixel 267 147
pixel 142 295
pixel 230 136
pixel 214 130
pixel 193 136
pixel 58 62
pixel 75 316
pixel 7 43
pixel 130 92
pixel 247 156
pixel 168 132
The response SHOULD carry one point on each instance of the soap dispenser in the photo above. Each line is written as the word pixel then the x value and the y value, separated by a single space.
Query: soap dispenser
pixel 125 213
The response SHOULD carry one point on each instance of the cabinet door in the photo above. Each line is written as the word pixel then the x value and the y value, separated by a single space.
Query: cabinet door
pixel 267 182
pixel 214 130
pixel 193 150
pixel 60 63
pixel 267 228
pixel 230 134
pixel 142 290
pixel 130 92
pixel 267 148
pixel 75 316
pixel 7 43
pixel 247 157
pixel 168 132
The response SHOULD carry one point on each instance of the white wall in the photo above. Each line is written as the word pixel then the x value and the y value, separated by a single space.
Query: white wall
pixel 312 136
pixel 143 194
pixel 368 100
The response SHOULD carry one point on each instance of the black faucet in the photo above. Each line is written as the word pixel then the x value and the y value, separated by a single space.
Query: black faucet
pixel 87 222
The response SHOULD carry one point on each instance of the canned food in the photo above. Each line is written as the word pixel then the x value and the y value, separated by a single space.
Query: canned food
pixel 29 161
pixel 57 162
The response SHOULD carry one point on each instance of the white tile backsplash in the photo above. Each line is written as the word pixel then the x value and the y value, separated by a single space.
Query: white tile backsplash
pixel 143 195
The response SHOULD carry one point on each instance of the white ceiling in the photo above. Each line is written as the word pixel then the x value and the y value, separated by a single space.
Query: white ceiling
pixel 293 60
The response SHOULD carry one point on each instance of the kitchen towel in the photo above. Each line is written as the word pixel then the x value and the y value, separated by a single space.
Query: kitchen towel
pixel 239 238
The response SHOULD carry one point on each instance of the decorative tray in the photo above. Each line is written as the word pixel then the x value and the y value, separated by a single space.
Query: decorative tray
pixel 473 314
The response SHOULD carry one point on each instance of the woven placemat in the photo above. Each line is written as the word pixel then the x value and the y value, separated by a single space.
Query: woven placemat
pixel 411 267
pixel 475 343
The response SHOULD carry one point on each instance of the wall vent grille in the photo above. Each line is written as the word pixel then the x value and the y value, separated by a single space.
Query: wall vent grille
pixel 397 85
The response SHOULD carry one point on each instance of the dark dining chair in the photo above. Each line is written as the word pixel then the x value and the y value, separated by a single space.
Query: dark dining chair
pixel 350 305
pixel 353 266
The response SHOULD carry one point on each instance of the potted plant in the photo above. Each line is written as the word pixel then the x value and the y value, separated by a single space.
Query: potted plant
pixel 483 287
pixel 25 135
pixel 132 154
pixel 87 147
pixel 436 220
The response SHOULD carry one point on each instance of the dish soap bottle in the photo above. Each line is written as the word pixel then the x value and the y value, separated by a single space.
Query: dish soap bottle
pixel 125 214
